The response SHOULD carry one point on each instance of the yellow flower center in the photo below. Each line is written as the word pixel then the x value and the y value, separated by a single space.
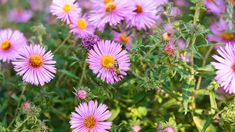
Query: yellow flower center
pixel 107 1
pixel 110 7
pixel 67 8
pixel 138 9
pixel 233 68
pixel 228 36
pixel 90 122
pixel 124 38
pixel 82 24
pixel 35 61
pixel 6 45
pixel 107 61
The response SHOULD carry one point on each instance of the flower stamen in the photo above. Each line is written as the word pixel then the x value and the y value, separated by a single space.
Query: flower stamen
pixel 35 61
pixel 107 61
pixel 90 122
pixel 67 8
pixel 6 45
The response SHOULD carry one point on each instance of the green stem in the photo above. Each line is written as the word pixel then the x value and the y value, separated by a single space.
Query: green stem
pixel 203 64
pixel 18 127
pixel 18 105
pixel 83 74
pixel 62 44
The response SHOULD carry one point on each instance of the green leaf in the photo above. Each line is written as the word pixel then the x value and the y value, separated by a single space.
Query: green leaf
pixel 69 74
pixel 115 113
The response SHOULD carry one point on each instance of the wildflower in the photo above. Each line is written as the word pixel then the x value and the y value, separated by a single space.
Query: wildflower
pixel 80 94
pixel 169 32
pixel 136 128
pixel 169 129
pixel 89 117
pixel 65 10
pixel 10 43
pixel 108 61
pixel 144 14
pixel 26 105
pixel 220 33
pixel 81 27
pixel 225 74
pixel 35 65
pixel 111 13
pixel 89 41
pixel 19 15
pixel 169 49
pixel 123 38
pixel 215 6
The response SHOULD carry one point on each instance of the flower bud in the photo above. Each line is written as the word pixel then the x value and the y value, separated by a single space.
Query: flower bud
pixel 168 129
pixel 26 105
pixel 169 49
pixel 81 94
pixel 136 128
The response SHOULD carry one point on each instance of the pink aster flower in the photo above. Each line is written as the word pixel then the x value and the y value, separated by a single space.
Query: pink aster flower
pixel 136 128
pixel 10 44
pixel 144 14
pixel 220 33
pixel 90 117
pixel 215 6
pixel 19 15
pixel 108 61
pixel 110 13
pixel 123 38
pixel 35 65
pixel 81 27
pixel 225 66
pixel 65 9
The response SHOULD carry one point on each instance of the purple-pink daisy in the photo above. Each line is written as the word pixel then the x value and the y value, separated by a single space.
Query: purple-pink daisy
pixel 144 14
pixel 90 117
pixel 35 65
pixel 81 27
pixel 19 15
pixel 65 10
pixel 10 43
pixel 215 6
pixel 225 68
pixel 109 61
pixel 124 38
pixel 109 12
pixel 220 33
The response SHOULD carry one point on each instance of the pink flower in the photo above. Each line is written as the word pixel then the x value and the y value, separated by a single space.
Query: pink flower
pixel 144 14
pixel 225 66
pixel 35 65
pixel 10 44
pixel 169 32
pixel 65 10
pixel 136 128
pixel 110 13
pixel 108 61
pixel 90 117
pixel 26 105
pixel 215 6
pixel 169 129
pixel 220 33
pixel 81 94
pixel 123 38
pixel 20 15
pixel 81 27
pixel 169 49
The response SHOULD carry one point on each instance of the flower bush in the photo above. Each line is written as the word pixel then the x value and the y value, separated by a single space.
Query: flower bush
pixel 117 65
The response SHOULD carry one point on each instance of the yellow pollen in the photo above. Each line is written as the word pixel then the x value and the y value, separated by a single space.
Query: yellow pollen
pixel 35 61
pixel 90 122
pixel 107 61
pixel 6 45
pixel 82 24
pixel 228 36
pixel 107 1
pixel 124 38
pixel 138 9
pixel 67 8
pixel 110 7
